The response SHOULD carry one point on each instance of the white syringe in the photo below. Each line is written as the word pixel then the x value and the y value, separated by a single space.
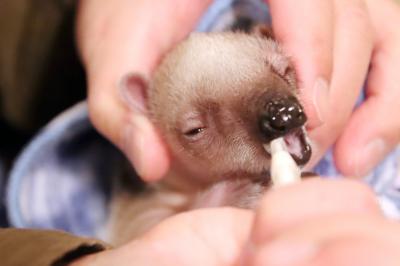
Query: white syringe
pixel 284 169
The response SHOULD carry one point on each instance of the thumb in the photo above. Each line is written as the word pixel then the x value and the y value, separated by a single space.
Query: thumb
pixel 120 37
pixel 120 114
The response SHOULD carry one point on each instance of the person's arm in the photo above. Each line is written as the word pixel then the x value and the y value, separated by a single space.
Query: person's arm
pixel 44 247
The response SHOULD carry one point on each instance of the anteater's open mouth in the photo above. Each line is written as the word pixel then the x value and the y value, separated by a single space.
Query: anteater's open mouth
pixel 298 146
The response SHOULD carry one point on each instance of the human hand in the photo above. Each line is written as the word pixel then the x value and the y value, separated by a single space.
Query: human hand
pixel 330 221
pixel 335 45
pixel 119 37
pixel 323 222
pixel 200 237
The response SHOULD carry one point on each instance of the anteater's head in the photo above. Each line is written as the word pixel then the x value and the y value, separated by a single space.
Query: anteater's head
pixel 218 97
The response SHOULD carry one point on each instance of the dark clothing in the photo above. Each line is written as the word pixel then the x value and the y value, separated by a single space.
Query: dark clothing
pixel 21 247
pixel 40 76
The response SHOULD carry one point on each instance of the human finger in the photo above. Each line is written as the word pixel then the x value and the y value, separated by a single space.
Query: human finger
pixel 284 207
pixel 353 44
pixel 305 29
pixel 332 241
pixel 374 129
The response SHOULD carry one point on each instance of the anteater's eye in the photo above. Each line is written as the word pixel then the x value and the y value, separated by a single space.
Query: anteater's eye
pixel 194 132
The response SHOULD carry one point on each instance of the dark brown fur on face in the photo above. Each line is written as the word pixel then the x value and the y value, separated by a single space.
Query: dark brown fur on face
pixel 210 98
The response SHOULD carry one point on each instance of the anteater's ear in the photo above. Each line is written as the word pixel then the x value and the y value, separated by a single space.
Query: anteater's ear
pixel 133 89
pixel 263 30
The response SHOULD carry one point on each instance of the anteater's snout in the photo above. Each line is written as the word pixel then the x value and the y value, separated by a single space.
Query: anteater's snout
pixel 280 115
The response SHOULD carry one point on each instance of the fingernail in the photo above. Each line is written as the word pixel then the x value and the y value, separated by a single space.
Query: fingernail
pixel 134 144
pixel 321 100
pixel 285 253
pixel 369 156
pixel 132 88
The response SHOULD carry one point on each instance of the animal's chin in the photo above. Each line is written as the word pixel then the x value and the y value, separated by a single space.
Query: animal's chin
pixel 298 146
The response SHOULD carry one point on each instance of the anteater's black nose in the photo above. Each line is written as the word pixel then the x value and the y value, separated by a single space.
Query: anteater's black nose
pixel 280 115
